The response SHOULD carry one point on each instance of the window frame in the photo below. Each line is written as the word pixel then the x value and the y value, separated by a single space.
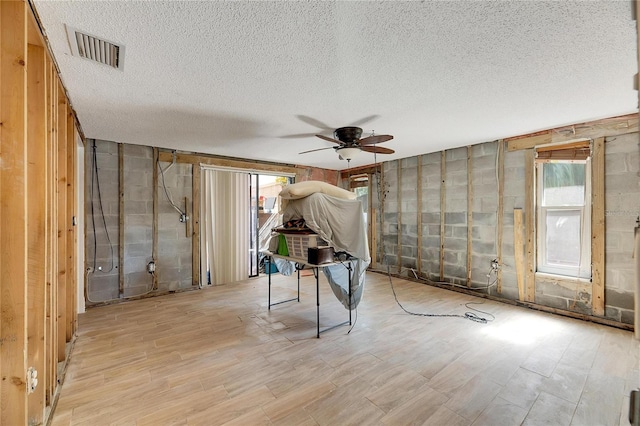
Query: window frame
pixel 584 270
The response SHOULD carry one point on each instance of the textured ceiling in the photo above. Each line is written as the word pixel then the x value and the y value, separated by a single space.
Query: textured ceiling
pixel 257 79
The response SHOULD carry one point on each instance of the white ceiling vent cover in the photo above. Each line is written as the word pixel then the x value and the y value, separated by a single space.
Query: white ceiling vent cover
pixel 95 49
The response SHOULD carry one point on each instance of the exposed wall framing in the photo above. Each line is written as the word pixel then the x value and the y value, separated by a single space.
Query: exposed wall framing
pixel 590 130
pixel 469 212
pixel 443 198
pixel 399 199
pixel 500 210
pixel 419 216
pixel 195 224
pixel 597 227
pixel 37 206
pixel 529 227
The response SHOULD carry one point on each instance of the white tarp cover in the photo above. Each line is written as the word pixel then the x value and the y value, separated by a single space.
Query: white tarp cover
pixel 340 223
pixel 337 221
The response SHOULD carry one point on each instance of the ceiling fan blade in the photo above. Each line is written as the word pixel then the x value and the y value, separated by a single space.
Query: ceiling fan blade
pixel 327 138
pixel 298 136
pixel 312 121
pixel 377 149
pixel 376 139
pixel 364 120
pixel 314 150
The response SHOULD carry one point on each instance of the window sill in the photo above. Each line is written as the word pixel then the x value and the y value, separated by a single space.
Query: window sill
pixel 565 278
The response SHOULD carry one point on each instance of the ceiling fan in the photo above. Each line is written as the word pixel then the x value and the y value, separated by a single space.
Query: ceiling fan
pixel 350 144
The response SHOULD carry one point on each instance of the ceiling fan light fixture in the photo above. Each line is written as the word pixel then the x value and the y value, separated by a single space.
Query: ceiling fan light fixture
pixel 348 153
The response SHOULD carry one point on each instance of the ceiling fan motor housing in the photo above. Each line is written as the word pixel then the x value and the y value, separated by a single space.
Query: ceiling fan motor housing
pixel 348 135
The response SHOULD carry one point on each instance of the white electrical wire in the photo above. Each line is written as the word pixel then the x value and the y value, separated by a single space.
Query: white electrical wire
pixel 164 186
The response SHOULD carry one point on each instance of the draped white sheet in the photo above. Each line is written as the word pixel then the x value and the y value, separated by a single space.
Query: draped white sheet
pixel 224 227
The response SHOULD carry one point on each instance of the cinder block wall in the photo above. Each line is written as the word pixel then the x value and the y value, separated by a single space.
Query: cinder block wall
pixel 103 283
pixel 173 265
pixel 138 218
pixel 622 207
pixel 622 191
pixel 455 217
pixel 174 247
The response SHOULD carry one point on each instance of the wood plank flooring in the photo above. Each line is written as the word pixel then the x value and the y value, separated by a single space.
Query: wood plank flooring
pixel 219 356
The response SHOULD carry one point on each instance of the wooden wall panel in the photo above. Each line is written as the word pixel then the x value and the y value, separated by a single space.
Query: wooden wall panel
pixel 530 239
pixel 597 227
pixel 62 225
pixel 36 222
pixel 195 223
pixel 443 199
pixel 13 204
pixel 500 217
pixel 71 306
pixel 52 287
pixel 37 203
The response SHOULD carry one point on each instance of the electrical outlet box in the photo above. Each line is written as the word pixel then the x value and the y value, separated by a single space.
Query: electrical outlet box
pixel 151 267
pixel 32 380
pixel 495 265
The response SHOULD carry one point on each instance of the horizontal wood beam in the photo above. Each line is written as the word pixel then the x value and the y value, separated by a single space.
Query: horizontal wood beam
pixel 167 157
pixel 588 130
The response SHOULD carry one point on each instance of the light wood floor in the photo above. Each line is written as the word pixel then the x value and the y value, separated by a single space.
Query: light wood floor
pixel 218 356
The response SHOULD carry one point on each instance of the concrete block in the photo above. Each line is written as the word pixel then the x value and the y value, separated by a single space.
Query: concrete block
pixel 552 301
pixel 452 257
pixel 139 164
pixel 489 204
pixel 432 230
pixel 434 181
pixel 489 148
pixel 616 163
pixel 448 231
pixel 408 262
pixel 622 183
pixel 138 151
pixel 456 154
pixel 514 158
pixel 138 220
pixel 619 299
pixel 487 248
pixel 627 316
pixel 483 218
pixel 409 207
pixel 185 183
pixel 390 166
pixel 431 159
pixel 409 231
pixel 431 218
pixel 137 250
pixel 138 279
pixel 580 307
pixel 455 272
pixel 409 163
pixel 456 204
pixel 486 162
pixel 451 218
pixel 621 143
pixel 612 313
pixel 459 232
pixel 483 233
pixel 514 174
pixel 390 238
pixel 431 242
pixel 455 244
pixel 509 293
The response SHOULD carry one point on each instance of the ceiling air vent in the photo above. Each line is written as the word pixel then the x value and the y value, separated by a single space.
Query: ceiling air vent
pixel 96 49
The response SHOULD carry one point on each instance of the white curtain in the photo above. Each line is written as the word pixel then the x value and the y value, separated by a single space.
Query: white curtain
pixel 224 227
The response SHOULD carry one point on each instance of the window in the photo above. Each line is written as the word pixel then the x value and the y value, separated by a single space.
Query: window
pixel 564 217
